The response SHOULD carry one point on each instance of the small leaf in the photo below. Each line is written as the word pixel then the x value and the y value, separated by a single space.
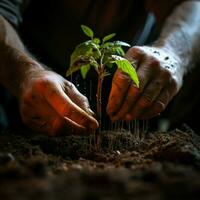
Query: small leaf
pixel 120 51
pixel 84 70
pixel 84 49
pixel 108 44
pixel 94 63
pixel 96 40
pixel 80 61
pixel 117 50
pixel 126 67
pixel 88 31
pixel 108 37
pixel 121 43
pixel 73 69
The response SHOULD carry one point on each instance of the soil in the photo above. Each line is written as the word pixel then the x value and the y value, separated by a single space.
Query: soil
pixel 157 166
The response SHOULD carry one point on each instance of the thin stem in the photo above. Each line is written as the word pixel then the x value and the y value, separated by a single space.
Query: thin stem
pixel 101 75
pixel 99 101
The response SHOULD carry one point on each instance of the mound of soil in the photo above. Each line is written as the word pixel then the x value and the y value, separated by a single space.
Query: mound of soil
pixel 157 166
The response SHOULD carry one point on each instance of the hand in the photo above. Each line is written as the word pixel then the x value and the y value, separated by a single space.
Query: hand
pixel 52 105
pixel 160 76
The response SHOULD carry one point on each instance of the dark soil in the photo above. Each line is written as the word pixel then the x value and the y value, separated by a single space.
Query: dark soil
pixel 160 166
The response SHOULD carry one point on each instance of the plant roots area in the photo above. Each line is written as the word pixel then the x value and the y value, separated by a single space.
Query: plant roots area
pixel 159 165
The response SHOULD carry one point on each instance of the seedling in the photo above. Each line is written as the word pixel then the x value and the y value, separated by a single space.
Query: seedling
pixel 100 55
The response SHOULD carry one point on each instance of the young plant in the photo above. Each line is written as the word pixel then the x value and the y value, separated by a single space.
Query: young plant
pixel 100 55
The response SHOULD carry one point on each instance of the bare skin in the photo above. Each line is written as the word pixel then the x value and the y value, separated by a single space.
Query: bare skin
pixel 48 103
pixel 160 68
pixel 53 105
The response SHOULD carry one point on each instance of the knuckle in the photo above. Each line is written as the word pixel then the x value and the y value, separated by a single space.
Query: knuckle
pixel 40 84
pixel 84 99
pixel 166 74
pixel 134 53
pixel 69 86
pixel 153 62
pixel 158 107
pixel 43 82
pixel 120 77
pixel 145 101
pixel 135 50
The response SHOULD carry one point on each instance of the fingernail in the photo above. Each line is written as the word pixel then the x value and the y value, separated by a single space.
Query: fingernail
pixel 94 125
pixel 90 112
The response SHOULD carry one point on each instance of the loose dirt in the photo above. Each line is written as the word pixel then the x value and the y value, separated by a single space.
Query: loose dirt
pixel 159 166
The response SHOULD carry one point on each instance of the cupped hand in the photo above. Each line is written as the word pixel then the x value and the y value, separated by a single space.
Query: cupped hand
pixel 160 75
pixel 52 105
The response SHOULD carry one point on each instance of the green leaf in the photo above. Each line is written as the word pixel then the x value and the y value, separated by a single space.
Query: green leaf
pixel 126 67
pixel 85 48
pixel 118 51
pixel 121 43
pixel 73 69
pixel 96 40
pixel 80 61
pixel 84 70
pixel 83 61
pixel 88 31
pixel 108 37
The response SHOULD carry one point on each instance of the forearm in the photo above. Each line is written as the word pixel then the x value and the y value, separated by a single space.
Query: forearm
pixel 15 61
pixel 181 34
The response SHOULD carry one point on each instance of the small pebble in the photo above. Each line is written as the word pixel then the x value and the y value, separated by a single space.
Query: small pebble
pixel 118 152
pixel 6 158
pixel 77 166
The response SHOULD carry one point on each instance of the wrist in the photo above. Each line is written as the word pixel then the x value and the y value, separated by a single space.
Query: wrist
pixel 15 67
pixel 173 55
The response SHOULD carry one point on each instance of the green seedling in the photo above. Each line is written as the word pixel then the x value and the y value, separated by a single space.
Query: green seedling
pixel 100 55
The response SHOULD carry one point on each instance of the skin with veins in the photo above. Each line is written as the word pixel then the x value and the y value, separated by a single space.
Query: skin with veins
pixel 160 67
pixel 159 82
pixel 48 103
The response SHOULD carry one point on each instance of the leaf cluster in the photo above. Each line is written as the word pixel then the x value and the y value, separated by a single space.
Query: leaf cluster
pixel 100 54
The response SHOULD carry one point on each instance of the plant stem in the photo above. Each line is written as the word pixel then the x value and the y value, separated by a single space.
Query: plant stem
pixel 99 100
pixel 99 103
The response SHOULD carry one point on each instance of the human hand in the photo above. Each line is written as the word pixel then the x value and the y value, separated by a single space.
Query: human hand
pixel 160 75
pixel 52 105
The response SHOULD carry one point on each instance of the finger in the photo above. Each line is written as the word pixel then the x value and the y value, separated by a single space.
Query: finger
pixel 121 82
pixel 150 93
pixel 120 85
pixel 157 107
pixel 65 126
pixel 124 104
pixel 127 104
pixel 57 98
pixel 135 55
pixel 78 98
pixel 161 102
pixel 144 73
pixel 44 119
